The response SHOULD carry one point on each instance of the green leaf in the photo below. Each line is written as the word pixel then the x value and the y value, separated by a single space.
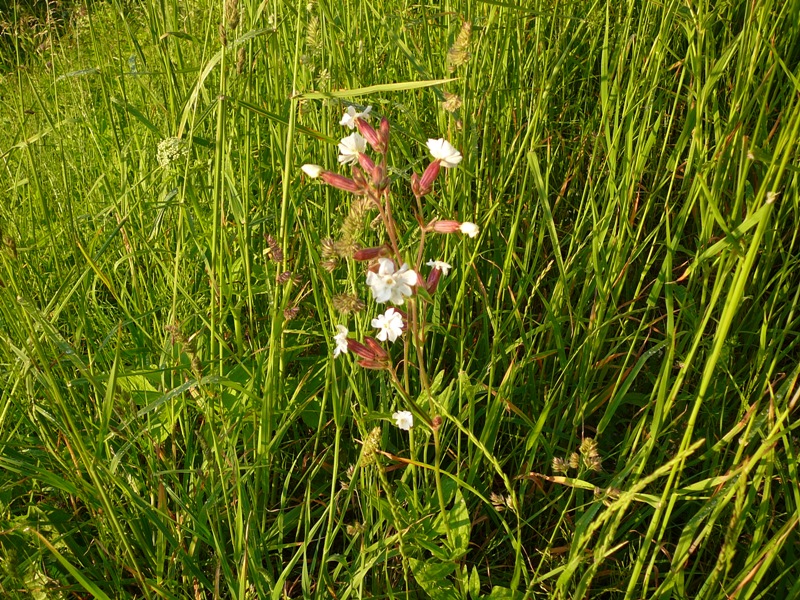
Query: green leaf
pixel 432 577
pixel 374 89
pixel 458 520
pixel 474 584
pixel 502 593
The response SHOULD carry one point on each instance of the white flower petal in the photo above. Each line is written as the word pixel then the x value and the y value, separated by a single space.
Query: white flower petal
pixel 388 285
pixel 341 340
pixel 350 147
pixel 469 229
pixel 390 325
pixel 351 114
pixel 312 171
pixel 403 419
pixel 441 265
pixel 444 151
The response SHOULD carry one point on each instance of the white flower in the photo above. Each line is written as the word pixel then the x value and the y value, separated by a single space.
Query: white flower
pixel 390 324
pixel 469 229
pixel 390 286
pixel 444 151
pixel 312 171
pixel 441 265
pixel 350 147
pixel 341 340
pixel 351 114
pixel 403 419
pixel 171 150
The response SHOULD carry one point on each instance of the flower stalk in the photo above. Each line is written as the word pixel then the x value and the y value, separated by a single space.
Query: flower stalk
pixel 388 274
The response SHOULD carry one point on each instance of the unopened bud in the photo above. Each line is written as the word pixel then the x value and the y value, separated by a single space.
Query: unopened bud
pixel 369 134
pixel 368 363
pixel 366 162
pixel 433 280
pixel 383 132
pixel 373 344
pixel 360 178
pixel 370 253
pixel 415 189
pixel 429 176
pixel 379 179
pixel 445 226
pixel 360 349
pixel 341 182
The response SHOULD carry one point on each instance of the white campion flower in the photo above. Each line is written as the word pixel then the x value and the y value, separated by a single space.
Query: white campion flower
pixel 469 229
pixel 403 419
pixel 441 265
pixel 312 171
pixel 443 151
pixel 390 325
pixel 350 147
pixel 351 114
pixel 341 340
pixel 388 285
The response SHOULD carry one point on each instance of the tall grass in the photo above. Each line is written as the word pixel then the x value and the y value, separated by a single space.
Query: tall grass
pixel 617 352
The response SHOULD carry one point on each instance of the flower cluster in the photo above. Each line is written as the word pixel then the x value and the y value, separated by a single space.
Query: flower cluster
pixel 390 277
pixel 170 150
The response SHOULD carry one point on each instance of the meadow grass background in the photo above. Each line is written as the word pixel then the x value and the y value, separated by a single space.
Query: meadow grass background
pixel 172 423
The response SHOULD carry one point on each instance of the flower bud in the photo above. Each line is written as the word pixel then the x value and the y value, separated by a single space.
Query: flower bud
pixel 433 280
pixel 360 349
pixel 360 178
pixel 341 182
pixel 368 132
pixel 370 253
pixel 380 353
pixel 366 162
pixel 383 132
pixel 379 179
pixel 417 191
pixel 429 176
pixel 368 363
pixel 445 226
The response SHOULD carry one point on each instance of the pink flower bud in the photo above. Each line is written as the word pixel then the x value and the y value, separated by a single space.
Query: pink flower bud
pixel 433 281
pixel 366 162
pixel 380 353
pixel 429 176
pixel 369 134
pixel 360 349
pixel 341 182
pixel 360 178
pixel 384 132
pixel 445 226
pixel 369 363
pixel 415 185
pixel 370 253
pixel 379 179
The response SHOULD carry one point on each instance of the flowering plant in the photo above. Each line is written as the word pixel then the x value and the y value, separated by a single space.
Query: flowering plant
pixel 390 275
pixel 393 274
